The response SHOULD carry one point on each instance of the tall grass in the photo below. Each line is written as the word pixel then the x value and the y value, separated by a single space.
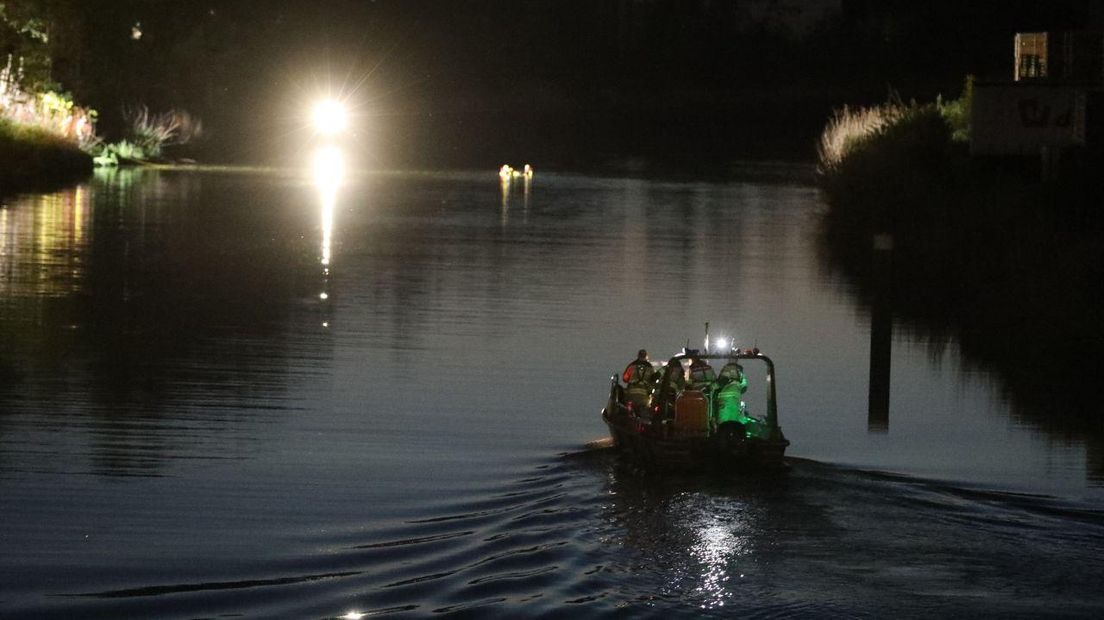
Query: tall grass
pixel 884 165
pixel 895 124
pixel 19 132
pixel 850 126
pixel 49 111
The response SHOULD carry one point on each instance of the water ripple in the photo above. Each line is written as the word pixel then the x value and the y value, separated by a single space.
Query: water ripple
pixel 207 587
pixel 415 541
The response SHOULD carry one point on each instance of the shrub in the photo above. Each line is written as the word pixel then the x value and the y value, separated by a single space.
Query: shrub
pixel 957 111
pixel 110 154
pixel 152 132
pixel 881 161
pixel 897 126
pixel 889 132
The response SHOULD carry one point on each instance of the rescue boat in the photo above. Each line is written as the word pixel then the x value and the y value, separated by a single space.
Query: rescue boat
pixel 702 424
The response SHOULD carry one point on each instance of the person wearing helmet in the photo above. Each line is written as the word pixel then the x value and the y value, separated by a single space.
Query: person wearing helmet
pixel 701 375
pixel 639 378
pixel 639 369
pixel 728 391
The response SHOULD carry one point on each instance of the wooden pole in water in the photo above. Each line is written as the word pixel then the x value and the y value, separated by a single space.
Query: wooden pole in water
pixel 881 334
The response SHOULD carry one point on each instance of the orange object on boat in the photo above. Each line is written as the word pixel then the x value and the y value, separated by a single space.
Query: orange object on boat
pixel 691 412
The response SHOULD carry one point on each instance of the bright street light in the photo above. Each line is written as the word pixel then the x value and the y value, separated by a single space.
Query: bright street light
pixel 330 117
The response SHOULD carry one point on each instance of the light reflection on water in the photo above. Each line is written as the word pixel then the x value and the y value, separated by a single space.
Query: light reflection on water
pixel 592 268
pixel 511 185
pixel 161 350
pixel 42 245
pixel 716 550
pixel 329 175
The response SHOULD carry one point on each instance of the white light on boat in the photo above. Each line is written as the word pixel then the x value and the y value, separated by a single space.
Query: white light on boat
pixel 722 344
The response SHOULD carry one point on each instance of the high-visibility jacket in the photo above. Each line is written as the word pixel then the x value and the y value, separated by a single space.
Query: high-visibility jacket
pixel 727 398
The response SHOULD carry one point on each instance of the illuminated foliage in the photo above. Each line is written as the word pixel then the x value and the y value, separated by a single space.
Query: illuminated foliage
pixel 893 127
pixel 48 110
pixel 152 132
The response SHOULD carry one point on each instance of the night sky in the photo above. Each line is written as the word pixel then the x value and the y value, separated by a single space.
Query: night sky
pixel 566 82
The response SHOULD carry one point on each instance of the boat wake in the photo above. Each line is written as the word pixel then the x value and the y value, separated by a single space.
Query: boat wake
pixel 584 534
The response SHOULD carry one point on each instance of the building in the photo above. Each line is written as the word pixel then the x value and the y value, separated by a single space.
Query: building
pixel 1075 57
pixel 1054 101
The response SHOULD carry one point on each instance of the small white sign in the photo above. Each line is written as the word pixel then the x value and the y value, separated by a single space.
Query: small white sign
pixel 1021 118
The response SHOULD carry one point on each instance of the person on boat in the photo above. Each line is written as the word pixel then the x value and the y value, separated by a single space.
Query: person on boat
pixel 677 379
pixel 692 403
pixel 733 373
pixel 702 376
pixel 671 382
pixel 727 394
pixel 640 368
pixel 639 377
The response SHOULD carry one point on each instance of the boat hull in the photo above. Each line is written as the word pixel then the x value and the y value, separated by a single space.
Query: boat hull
pixel 663 449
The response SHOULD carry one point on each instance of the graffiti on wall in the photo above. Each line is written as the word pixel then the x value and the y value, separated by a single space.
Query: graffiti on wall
pixel 1018 118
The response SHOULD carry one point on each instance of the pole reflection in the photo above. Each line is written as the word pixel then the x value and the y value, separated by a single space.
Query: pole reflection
pixel 881 335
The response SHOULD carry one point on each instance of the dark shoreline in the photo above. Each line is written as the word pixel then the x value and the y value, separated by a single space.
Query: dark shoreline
pixel 988 255
pixel 40 167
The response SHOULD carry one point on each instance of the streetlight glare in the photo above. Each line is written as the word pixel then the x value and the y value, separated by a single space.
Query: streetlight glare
pixel 330 117
pixel 329 168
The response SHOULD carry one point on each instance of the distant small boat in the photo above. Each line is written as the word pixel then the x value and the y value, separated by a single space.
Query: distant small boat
pixel 506 172
pixel 699 425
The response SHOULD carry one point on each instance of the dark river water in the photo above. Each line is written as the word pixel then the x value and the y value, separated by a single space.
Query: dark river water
pixel 250 394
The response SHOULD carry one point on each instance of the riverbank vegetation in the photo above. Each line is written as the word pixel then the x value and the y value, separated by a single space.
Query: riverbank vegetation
pixel 148 136
pixel 32 156
pixel 44 136
pixel 888 163
pixel 46 139
pixel 987 254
